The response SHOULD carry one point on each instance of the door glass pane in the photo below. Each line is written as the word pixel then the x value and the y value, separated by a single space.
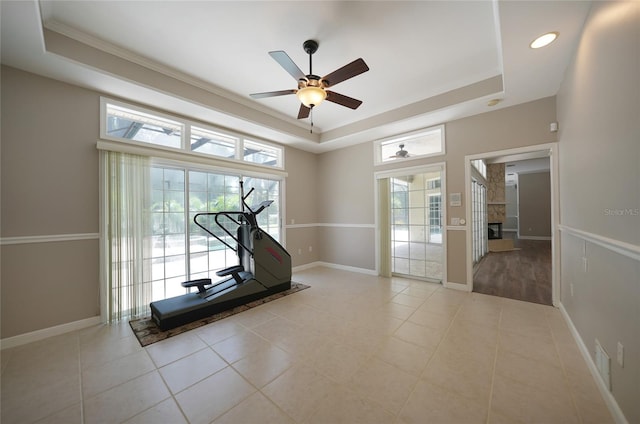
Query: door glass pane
pixel 416 225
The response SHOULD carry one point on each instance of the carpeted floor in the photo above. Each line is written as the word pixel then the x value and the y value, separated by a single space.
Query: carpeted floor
pixel 148 332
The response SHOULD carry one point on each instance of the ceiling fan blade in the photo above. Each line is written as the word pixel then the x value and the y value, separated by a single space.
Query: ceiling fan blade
pixel 303 112
pixel 343 100
pixel 347 71
pixel 271 94
pixel 285 61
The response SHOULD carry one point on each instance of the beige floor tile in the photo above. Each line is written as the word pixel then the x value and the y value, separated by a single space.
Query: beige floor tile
pixel 404 355
pixel 102 377
pixel 239 346
pixel 175 348
pixel 407 300
pixel 397 310
pixel 458 372
pixel 379 323
pixel 425 337
pixel 191 369
pixel 432 404
pixel 364 339
pixel 70 415
pixel 264 365
pixel 423 316
pixel 343 406
pixel 440 307
pixel 337 361
pixel 165 412
pixel 533 373
pixel 255 409
pixel 421 290
pixel 106 349
pixel 220 330
pixel 252 317
pixel 298 390
pixel 536 349
pixel 205 401
pixel 383 383
pixel 33 401
pixel 523 403
pixel 127 400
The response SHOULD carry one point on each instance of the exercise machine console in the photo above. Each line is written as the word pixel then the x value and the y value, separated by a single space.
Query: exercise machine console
pixel 264 268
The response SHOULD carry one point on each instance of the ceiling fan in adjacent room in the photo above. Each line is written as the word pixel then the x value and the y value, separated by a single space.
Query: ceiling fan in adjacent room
pixel 312 89
pixel 400 154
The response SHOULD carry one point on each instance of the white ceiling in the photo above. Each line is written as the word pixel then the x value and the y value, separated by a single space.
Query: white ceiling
pixel 430 61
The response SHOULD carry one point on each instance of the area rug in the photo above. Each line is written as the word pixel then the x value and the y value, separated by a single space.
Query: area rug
pixel 147 332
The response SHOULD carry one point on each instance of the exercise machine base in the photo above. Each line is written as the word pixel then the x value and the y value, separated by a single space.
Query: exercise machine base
pixel 180 310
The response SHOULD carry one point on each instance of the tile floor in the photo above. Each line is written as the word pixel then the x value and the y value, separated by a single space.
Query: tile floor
pixel 353 348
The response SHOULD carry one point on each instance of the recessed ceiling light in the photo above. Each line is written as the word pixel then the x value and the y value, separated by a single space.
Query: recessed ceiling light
pixel 544 40
pixel 493 102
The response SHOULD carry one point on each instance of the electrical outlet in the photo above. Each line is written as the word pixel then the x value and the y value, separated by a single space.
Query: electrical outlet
pixel 620 355
pixel 299 251
pixel 310 248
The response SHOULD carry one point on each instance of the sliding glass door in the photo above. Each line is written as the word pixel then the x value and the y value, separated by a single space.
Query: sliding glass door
pixel 479 220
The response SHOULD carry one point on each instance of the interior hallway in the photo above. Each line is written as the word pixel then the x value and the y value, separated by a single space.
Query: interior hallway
pixel 351 348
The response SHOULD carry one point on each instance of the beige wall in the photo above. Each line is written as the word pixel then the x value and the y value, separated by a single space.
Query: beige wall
pixel 598 114
pixel 49 187
pixel 534 209
pixel 301 207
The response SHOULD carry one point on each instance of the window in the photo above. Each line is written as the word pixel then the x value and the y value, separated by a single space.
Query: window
pixel 157 173
pixel 139 126
pixel 418 144
pixel 182 250
pixel 260 153
pixel 213 143
pixel 122 122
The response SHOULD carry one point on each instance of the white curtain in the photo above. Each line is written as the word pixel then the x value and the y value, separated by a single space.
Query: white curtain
pixel 126 287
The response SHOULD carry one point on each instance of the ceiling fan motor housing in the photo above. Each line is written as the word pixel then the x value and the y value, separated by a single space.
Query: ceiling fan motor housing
pixel 310 46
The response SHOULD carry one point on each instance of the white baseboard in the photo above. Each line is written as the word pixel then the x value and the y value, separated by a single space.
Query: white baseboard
pixel 609 400
pixel 335 266
pixel 535 238
pixel 457 286
pixel 45 333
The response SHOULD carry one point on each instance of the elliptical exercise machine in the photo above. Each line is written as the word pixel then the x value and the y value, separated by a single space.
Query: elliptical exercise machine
pixel 264 268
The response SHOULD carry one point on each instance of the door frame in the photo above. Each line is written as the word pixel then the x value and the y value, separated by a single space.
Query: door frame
pixel 400 172
pixel 551 149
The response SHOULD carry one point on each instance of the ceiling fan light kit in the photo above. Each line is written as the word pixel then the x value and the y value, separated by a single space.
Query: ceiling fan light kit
pixel 312 89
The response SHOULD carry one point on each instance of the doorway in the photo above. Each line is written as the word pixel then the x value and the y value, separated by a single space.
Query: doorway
pixel 519 263
pixel 410 220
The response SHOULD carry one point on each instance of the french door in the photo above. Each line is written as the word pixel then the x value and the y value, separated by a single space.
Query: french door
pixel 414 247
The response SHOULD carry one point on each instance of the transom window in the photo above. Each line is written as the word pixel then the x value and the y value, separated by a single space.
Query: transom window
pixel 123 122
pixel 414 145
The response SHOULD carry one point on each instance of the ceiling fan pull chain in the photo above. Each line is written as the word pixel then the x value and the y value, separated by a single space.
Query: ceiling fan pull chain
pixel 311 118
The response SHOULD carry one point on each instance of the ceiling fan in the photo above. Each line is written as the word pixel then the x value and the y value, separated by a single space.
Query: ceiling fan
pixel 400 154
pixel 312 89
